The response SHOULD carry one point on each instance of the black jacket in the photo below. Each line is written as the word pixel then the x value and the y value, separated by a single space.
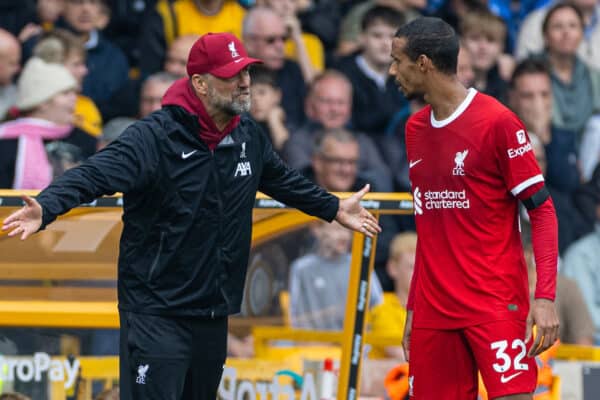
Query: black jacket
pixel 187 210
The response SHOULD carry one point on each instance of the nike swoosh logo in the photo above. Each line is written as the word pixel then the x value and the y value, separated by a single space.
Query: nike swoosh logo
pixel 505 379
pixel 238 60
pixel 185 155
pixel 413 163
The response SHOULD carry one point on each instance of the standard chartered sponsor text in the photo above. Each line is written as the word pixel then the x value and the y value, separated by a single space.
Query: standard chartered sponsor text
pixel 446 199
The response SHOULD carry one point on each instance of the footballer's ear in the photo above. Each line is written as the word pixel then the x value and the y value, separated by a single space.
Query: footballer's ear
pixel 424 63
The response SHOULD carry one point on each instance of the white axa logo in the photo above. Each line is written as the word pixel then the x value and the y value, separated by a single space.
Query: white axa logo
pixel 521 137
pixel 519 151
pixel 243 169
pixel 234 52
pixel 27 369
pixel 141 378
pixel 436 200
pixel 459 160
pixel 418 202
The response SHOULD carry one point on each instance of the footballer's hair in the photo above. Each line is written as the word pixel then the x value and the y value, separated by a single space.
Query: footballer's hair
pixel 433 38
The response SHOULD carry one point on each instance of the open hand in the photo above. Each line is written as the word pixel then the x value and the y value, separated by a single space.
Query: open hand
pixel 354 216
pixel 25 221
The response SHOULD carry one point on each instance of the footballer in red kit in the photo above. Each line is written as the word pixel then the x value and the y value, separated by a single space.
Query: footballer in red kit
pixel 470 163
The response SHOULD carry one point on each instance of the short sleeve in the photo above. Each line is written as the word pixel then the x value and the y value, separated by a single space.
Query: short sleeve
pixel 515 155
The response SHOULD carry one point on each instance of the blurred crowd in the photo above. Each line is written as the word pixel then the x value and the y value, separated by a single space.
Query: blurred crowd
pixel 75 73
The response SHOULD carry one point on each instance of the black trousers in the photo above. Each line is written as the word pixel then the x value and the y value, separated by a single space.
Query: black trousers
pixel 170 358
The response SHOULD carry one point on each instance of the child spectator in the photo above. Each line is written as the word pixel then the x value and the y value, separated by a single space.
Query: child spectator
pixel 376 97
pixel 483 34
pixel 266 106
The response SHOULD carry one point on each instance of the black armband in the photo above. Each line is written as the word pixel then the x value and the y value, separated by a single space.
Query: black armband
pixel 537 199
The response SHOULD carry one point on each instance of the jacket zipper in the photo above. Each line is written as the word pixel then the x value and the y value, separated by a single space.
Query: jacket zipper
pixel 220 218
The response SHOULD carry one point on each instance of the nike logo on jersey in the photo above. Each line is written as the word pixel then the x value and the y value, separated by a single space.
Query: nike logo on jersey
pixel 413 163
pixel 185 155
pixel 509 378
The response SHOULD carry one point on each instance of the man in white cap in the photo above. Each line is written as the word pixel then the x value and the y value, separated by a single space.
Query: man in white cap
pixel 189 176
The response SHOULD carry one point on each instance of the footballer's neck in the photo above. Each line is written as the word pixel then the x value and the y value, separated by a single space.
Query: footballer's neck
pixel 445 94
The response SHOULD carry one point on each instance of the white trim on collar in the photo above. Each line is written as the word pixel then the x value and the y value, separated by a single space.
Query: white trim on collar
pixel 459 110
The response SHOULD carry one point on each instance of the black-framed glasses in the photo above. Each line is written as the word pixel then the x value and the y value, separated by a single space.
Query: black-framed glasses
pixel 339 160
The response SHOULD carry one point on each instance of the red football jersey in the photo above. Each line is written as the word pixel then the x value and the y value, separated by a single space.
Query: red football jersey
pixel 465 172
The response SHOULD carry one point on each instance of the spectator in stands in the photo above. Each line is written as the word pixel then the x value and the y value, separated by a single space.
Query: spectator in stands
pixel 589 151
pixel 575 86
pixel 177 55
pixel 10 63
pixel 453 11
pixel 351 28
pixel 319 281
pixel 107 65
pixel 15 14
pixel 62 157
pixel 329 105
pixel 112 130
pixel 125 26
pixel 576 325
pixel 335 161
pixel 334 167
pixel 390 315
pixel 572 222
pixel 264 34
pixel 153 90
pixel 531 99
pixel 63 47
pixel 304 48
pixel 47 13
pixel 322 17
pixel 531 38
pixel 266 106
pixel 173 18
pixel 46 98
pixel 464 67
pixel 483 34
pixel 103 18
pixel 581 258
pixel 128 101
pixel 376 97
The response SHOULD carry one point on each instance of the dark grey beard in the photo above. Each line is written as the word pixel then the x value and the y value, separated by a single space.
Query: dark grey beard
pixel 232 108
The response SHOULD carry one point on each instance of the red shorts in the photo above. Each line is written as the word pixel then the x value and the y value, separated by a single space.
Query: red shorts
pixel 444 363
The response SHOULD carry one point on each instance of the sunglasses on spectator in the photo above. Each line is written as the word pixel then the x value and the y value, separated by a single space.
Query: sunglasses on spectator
pixel 270 39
